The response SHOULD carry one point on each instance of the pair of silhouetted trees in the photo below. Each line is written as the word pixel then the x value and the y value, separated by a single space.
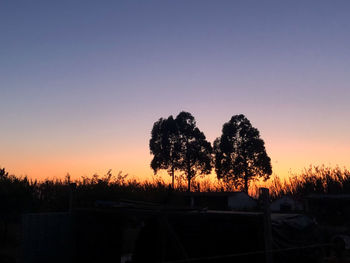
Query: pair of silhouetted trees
pixel 238 156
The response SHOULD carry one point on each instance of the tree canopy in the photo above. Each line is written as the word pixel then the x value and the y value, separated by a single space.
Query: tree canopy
pixel 177 144
pixel 240 154
pixel 164 146
pixel 195 151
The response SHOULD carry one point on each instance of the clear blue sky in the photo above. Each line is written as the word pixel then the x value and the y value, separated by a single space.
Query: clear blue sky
pixel 83 81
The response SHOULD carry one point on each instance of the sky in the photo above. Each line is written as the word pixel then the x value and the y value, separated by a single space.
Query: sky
pixel 82 82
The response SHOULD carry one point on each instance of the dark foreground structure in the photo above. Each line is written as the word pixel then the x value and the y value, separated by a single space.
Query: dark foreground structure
pixel 138 232
pixel 106 235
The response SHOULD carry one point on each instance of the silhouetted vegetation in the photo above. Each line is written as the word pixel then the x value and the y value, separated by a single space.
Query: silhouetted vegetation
pixel 15 193
pixel 240 154
pixel 20 194
pixel 163 145
pixel 179 145
pixel 313 180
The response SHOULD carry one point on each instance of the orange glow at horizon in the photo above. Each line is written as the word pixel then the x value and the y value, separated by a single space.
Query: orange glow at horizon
pixel 287 158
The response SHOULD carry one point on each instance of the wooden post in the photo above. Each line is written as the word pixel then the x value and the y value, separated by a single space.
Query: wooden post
pixel 264 197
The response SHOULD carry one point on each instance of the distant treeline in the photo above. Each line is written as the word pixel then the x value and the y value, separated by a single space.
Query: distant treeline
pixel 20 194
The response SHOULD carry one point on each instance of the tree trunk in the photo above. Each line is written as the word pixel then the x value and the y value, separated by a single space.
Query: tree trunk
pixel 172 178
pixel 188 185
pixel 246 184
pixel 189 177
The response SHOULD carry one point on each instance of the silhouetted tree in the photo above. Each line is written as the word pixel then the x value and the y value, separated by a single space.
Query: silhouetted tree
pixel 194 156
pixel 177 144
pixel 164 146
pixel 240 154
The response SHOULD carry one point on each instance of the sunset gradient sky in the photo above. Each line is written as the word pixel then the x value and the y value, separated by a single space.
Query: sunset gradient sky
pixel 82 82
